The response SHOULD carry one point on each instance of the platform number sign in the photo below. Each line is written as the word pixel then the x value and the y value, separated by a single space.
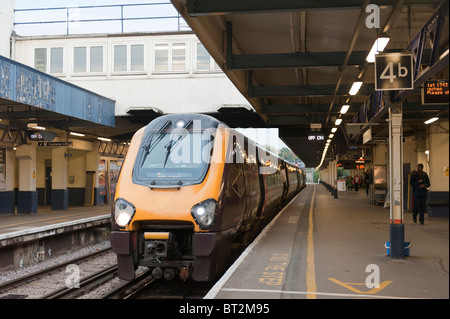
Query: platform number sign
pixel 393 71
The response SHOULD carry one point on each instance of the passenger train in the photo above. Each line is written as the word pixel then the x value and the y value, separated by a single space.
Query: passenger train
pixel 190 191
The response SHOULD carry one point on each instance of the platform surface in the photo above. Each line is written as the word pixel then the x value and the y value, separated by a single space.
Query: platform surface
pixel 46 218
pixel 334 248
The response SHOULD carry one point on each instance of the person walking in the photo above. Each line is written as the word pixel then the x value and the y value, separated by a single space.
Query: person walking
pixel 420 182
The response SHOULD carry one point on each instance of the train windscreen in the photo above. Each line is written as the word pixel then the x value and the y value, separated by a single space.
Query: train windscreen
pixel 181 156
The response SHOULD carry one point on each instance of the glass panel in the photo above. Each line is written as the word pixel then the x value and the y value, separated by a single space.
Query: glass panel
pixel 79 59
pixel 40 59
pixel 120 58
pixel 137 57
pixel 96 59
pixel 203 58
pixel 178 57
pixel 161 57
pixel 171 156
pixel 56 60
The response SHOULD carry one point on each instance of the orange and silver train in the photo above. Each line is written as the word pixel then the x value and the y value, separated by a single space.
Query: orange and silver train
pixel 191 191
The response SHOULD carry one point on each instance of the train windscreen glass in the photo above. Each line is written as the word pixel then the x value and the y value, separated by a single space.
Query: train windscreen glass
pixel 180 156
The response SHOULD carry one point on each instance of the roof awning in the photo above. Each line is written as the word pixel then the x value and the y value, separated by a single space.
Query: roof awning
pixel 27 93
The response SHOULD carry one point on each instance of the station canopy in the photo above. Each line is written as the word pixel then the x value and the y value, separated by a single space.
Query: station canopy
pixel 295 61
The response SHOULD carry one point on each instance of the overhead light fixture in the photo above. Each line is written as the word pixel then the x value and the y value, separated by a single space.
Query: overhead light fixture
pixel 104 139
pixel 76 134
pixel 427 152
pixel 377 47
pixel 329 141
pixel 333 130
pixel 344 108
pixel 35 126
pixel 433 119
pixel 338 122
pixel 331 136
pixel 355 88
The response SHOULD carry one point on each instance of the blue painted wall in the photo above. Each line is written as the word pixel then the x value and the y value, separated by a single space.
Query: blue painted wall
pixel 23 84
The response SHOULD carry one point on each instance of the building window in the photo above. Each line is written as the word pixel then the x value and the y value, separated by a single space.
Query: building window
pixel 204 61
pixel 81 56
pixel 137 57
pixel 170 57
pixel 120 58
pixel 40 59
pixel 54 55
pixel 129 58
pixel 56 60
pixel 96 59
pixel 79 59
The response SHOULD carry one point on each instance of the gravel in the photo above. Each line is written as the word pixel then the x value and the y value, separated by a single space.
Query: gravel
pixel 42 286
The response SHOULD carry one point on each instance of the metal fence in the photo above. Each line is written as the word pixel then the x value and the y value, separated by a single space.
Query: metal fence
pixel 115 18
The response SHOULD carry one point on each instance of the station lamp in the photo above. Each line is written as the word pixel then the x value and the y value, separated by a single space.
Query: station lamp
pixel 355 88
pixel 344 108
pixel 333 130
pixel 104 139
pixel 338 122
pixel 377 47
pixel 76 134
pixel 433 119
pixel 331 135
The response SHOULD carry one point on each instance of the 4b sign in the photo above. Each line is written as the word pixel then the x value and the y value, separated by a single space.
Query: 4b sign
pixel 393 71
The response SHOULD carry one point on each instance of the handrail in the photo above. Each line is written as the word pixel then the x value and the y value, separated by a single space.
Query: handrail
pixel 123 18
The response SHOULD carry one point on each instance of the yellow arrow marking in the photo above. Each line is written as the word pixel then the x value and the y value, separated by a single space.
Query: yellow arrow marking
pixel 348 285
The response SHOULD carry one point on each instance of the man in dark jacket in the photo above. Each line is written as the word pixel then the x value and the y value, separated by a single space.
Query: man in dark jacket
pixel 420 182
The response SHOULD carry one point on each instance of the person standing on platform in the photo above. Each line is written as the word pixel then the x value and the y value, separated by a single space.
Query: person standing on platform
pixel 367 181
pixel 356 182
pixel 420 182
pixel 349 183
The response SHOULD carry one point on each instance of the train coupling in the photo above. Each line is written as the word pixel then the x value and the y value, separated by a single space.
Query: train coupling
pixel 184 273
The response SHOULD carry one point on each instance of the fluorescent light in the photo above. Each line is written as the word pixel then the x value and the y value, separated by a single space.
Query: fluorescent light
pixel 76 134
pixel 329 141
pixel 104 139
pixel 344 108
pixel 330 136
pixel 431 120
pixel 355 88
pixel 334 129
pixel 377 47
pixel 338 121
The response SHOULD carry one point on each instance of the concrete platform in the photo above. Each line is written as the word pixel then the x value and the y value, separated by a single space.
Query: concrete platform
pixel 333 248
pixel 29 239
pixel 20 224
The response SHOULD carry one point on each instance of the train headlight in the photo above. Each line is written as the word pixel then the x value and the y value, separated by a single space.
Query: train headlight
pixel 204 213
pixel 123 212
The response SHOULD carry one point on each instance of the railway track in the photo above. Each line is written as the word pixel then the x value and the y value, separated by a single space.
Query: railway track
pixel 45 283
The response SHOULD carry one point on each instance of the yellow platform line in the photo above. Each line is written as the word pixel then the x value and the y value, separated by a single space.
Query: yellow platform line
pixel 311 287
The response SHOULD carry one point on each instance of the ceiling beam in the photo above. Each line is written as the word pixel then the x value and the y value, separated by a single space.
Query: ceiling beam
pixel 303 90
pixel 221 7
pixel 294 60
pixel 280 120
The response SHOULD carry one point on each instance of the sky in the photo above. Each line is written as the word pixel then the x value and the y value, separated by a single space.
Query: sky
pixel 157 10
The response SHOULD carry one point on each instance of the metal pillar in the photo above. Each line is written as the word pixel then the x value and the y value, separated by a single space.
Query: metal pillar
pixel 397 231
pixel 335 179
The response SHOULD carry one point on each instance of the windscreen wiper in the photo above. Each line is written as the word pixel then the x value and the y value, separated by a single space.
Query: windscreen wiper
pixel 172 143
pixel 147 146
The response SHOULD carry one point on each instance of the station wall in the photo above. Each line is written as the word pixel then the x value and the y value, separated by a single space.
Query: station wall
pixel 170 72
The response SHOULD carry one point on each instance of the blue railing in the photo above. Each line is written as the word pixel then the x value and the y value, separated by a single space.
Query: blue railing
pixel 114 18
